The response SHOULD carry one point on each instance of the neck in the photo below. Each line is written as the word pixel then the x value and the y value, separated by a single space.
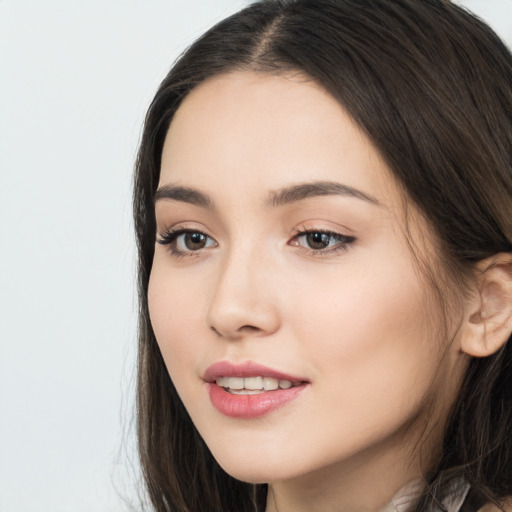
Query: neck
pixel 369 480
pixel 366 483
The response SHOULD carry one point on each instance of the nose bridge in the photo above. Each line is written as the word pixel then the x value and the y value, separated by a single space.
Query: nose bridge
pixel 243 299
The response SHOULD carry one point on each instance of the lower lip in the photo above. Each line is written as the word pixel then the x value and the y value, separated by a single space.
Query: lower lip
pixel 251 406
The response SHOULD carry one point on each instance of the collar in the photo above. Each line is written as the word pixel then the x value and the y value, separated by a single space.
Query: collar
pixel 406 497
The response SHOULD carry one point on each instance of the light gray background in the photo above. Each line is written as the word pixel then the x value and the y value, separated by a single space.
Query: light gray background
pixel 75 80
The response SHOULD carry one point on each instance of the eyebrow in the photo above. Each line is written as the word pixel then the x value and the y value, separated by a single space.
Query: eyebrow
pixel 276 198
pixel 183 194
pixel 318 188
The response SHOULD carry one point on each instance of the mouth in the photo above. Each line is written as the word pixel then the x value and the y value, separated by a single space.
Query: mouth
pixel 253 385
pixel 250 390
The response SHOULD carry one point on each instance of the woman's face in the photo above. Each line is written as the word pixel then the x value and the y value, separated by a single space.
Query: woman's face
pixel 281 262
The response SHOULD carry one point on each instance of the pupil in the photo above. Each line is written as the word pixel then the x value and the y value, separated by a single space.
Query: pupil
pixel 195 241
pixel 318 240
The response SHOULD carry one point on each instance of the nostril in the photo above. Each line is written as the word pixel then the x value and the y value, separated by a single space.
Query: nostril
pixel 244 329
pixel 249 329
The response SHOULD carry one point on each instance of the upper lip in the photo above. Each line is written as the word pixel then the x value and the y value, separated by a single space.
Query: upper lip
pixel 246 369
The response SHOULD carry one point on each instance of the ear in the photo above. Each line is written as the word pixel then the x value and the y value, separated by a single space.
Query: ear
pixel 488 319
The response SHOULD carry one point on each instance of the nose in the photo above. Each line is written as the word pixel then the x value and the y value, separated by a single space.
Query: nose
pixel 244 301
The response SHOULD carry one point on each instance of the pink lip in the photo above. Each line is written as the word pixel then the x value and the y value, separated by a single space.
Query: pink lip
pixel 248 369
pixel 249 406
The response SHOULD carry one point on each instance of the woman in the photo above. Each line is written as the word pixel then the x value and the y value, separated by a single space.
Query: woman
pixel 323 206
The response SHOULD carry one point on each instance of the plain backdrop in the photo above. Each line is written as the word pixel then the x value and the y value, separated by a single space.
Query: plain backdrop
pixel 75 79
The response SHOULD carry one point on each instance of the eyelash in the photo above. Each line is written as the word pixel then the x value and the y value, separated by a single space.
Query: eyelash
pixel 343 241
pixel 170 238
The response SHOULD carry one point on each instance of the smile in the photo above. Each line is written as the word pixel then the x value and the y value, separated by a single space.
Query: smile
pixel 250 390
pixel 253 385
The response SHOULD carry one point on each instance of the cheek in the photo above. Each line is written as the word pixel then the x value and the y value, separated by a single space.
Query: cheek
pixel 369 337
pixel 359 305
pixel 176 311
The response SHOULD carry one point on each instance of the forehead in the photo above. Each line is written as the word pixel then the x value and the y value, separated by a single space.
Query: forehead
pixel 247 131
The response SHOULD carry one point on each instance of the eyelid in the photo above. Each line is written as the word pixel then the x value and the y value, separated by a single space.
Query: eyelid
pixel 344 244
pixel 169 236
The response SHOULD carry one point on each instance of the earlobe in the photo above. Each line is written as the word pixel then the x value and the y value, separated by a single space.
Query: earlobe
pixel 489 314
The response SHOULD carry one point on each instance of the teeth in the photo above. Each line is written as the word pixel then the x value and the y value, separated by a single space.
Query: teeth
pixel 223 382
pixel 252 385
pixel 269 383
pixel 245 391
pixel 236 383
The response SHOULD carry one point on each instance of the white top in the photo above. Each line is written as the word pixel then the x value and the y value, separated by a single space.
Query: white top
pixel 406 497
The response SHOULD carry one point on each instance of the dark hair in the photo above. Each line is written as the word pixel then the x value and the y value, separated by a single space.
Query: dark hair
pixel 430 85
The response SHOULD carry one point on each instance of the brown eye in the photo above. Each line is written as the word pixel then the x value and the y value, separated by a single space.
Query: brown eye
pixel 318 240
pixel 322 242
pixel 184 241
pixel 194 241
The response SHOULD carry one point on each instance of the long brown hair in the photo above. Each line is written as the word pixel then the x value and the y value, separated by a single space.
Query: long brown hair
pixel 431 85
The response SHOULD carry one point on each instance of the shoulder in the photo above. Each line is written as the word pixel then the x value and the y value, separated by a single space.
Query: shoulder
pixel 490 507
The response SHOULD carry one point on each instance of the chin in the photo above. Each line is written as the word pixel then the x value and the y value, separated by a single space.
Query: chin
pixel 258 468
pixel 250 478
pixel 254 475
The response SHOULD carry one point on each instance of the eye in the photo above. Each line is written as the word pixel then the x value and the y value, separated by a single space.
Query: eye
pixel 191 241
pixel 318 241
pixel 186 241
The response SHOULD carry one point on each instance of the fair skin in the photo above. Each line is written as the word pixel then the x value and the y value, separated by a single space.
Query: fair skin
pixel 352 317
